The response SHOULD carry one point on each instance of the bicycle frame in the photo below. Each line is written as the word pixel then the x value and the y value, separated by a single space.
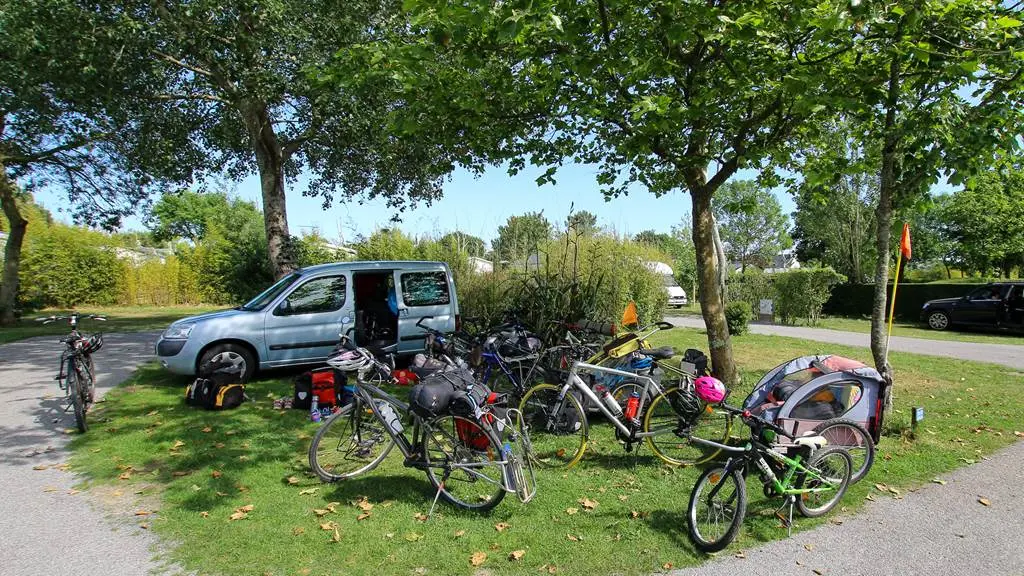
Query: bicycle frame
pixel 651 389
pixel 755 452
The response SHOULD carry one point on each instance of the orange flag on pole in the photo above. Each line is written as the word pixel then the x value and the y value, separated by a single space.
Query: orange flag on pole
pixel 905 241
pixel 629 315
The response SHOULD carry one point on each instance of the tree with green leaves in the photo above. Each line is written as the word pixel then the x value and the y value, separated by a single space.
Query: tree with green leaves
pixel 985 223
pixel 934 88
pixel 582 222
pixel 241 72
pixel 190 214
pixel 74 116
pixel 519 237
pixel 752 223
pixel 471 245
pixel 676 96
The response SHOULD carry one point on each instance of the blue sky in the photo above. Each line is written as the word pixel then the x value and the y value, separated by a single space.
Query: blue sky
pixel 474 205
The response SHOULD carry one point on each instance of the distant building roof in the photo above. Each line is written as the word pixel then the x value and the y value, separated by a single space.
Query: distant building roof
pixel 783 261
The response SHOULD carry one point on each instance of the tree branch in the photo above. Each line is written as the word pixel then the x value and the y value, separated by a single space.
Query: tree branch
pixel 208 97
pixel 181 64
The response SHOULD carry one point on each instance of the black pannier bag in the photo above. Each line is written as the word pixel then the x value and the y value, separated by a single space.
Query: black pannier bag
pixel 698 359
pixel 446 393
pixel 218 387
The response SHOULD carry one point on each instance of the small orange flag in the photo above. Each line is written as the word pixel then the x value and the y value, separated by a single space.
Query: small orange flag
pixel 905 241
pixel 629 316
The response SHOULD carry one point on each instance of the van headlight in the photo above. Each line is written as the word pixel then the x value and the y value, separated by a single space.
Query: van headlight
pixel 179 332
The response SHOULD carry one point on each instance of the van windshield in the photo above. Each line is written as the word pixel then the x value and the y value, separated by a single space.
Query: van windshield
pixel 670 280
pixel 260 302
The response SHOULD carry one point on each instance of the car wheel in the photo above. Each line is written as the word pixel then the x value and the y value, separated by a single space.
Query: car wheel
pixel 938 320
pixel 240 357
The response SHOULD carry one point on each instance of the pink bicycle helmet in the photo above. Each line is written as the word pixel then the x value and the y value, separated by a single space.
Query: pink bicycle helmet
pixel 710 389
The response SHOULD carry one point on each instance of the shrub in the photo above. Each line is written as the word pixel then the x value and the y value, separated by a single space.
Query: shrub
pixel 738 315
pixel 751 287
pixel 802 293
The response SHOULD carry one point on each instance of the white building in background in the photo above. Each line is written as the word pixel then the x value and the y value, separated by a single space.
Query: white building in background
pixel 481 265
pixel 783 262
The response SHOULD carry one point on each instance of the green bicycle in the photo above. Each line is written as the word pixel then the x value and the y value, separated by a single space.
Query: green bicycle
pixel 813 479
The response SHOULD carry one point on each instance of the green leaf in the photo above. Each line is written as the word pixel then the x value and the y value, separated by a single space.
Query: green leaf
pixel 1007 22
pixel 969 66
pixel 897 10
pixel 557 22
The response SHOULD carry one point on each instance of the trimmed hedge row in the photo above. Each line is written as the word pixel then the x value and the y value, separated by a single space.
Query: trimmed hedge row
pixel 856 299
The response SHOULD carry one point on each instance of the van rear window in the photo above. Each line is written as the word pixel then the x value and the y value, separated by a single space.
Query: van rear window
pixel 425 288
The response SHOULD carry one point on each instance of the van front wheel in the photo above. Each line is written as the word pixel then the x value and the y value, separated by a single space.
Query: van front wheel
pixel 240 357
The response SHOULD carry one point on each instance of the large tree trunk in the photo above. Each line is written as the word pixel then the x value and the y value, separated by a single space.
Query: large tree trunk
pixel 883 226
pixel 12 252
pixel 711 300
pixel 270 159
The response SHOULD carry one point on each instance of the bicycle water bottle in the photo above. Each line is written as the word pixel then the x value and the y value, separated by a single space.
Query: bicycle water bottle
pixel 612 404
pixel 632 405
pixel 390 418
pixel 314 409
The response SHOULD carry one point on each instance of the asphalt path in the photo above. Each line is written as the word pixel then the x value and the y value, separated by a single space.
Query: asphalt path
pixel 47 525
pixel 938 529
pixel 1005 354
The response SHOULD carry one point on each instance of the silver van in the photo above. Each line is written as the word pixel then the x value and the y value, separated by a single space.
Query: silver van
pixel 298 320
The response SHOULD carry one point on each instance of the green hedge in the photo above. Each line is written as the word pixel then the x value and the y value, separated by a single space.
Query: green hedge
pixel 855 299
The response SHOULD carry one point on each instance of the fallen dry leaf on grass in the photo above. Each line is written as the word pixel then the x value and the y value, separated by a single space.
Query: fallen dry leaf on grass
pixel 413 536
pixel 336 537
pixel 623 497
pixel 571 511
pixel 298 530
pixel 142 512
pixel 333 506
pixel 216 474
pixel 984 502
pixel 144 526
pixel 308 491
pixel 517 555
pixel 238 515
pixel 420 516
pixel 329 525
pixel 40 467
pixel 808 547
pixel 666 566
pixel 502 526
pixel 740 554
pixel 72 492
pixel 177 444
pixel 247 508
pixel 364 505
pixel 549 568
pixel 460 533
pixel 292 480
pixel 478 558
pixel 587 503
pixel 321 511
pixel 221 494
pixel 207 430
pixel 572 538
pixel 363 516
pixel 869 497
pixel 125 475
pixel 938 481
pixel 152 413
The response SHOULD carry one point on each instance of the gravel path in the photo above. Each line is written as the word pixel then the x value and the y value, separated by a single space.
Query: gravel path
pixel 1004 354
pixel 47 527
pixel 939 529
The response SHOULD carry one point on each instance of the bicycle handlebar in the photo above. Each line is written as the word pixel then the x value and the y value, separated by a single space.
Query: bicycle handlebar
pixel 48 319
pixel 752 420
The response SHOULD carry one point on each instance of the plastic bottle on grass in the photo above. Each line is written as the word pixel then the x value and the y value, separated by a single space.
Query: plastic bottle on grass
pixel 314 409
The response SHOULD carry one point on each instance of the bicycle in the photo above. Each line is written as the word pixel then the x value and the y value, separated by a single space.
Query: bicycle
pixel 814 480
pixel 675 416
pixel 77 375
pixel 459 451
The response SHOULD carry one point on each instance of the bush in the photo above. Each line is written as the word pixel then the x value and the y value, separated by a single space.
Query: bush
pixel 738 315
pixel 802 293
pixel 751 287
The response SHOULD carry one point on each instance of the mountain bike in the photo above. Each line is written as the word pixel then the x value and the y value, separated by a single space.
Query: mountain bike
pixel 472 458
pixel 668 419
pixel 813 480
pixel 77 376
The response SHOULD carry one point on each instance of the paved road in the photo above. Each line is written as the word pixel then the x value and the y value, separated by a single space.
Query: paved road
pixel 1004 354
pixel 45 528
pixel 940 529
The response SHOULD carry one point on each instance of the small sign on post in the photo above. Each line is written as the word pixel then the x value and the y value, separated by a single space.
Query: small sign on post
pixel 916 415
pixel 766 311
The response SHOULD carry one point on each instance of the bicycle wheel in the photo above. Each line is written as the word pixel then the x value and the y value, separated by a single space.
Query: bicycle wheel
pixel 834 466
pixel 557 428
pixel 677 415
pixel 77 391
pixel 857 441
pixel 464 462
pixel 349 443
pixel 715 521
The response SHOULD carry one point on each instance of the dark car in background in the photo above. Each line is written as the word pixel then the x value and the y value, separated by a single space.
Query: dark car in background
pixel 999 305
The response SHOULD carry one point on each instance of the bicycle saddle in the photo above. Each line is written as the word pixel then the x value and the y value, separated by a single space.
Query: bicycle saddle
pixel 815 442
pixel 663 353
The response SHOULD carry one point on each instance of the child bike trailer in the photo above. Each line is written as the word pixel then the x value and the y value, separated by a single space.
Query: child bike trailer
pixel 836 397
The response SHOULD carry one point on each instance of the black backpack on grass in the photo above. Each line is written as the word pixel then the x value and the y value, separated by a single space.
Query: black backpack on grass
pixel 218 387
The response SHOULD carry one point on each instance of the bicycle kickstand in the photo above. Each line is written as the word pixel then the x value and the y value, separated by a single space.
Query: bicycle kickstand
pixel 440 488
pixel 787 522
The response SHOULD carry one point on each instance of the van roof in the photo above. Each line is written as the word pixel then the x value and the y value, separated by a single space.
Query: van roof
pixel 370 264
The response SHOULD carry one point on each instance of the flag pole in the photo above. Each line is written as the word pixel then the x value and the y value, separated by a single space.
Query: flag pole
pixel 892 302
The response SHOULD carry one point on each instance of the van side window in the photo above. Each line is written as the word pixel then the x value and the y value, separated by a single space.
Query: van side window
pixel 425 288
pixel 325 294
pixel 831 401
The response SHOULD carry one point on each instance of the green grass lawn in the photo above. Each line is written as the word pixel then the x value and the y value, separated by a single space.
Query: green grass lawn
pixel 119 319
pixel 918 331
pixel 197 468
